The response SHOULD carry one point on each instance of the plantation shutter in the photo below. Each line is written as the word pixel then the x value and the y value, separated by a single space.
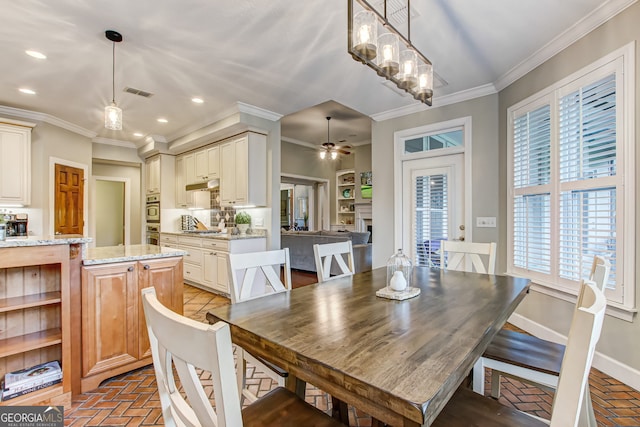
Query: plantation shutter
pixel 532 201
pixel 587 166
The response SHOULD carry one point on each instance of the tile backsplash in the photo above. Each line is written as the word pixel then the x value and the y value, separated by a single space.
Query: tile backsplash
pixel 219 212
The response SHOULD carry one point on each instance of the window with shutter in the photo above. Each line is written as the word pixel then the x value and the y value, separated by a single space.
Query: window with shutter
pixel 570 188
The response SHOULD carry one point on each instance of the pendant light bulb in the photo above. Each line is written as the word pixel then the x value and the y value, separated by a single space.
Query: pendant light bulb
pixel 334 155
pixel 323 154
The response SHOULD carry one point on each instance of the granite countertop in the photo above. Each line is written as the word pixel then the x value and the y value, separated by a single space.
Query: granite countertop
pixel 111 254
pixel 59 239
pixel 257 234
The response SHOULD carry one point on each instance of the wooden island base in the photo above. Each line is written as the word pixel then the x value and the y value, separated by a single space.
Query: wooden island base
pixel 114 336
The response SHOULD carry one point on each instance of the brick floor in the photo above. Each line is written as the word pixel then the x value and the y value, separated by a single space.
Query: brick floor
pixel 131 399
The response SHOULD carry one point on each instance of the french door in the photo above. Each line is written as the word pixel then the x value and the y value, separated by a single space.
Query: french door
pixel 432 206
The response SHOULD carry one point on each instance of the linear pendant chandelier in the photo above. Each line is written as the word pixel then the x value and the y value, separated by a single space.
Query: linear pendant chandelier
pixel 374 41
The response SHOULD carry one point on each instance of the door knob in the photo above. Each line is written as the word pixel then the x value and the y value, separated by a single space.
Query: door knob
pixel 130 268
pixel 146 266
pixel 461 227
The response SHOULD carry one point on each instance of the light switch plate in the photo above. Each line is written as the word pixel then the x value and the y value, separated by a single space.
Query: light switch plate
pixel 486 221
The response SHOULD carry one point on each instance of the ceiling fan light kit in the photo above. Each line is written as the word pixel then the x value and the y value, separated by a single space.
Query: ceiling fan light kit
pixel 390 54
pixel 112 113
pixel 331 148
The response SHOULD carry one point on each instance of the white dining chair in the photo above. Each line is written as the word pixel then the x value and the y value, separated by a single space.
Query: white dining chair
pixel 531 359
pixel 186 345
pixel 256 275
pixel 466 256
pixel 468 408
pixel 332 255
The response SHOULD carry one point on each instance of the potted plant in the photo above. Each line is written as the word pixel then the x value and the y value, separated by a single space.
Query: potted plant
pixel 243 220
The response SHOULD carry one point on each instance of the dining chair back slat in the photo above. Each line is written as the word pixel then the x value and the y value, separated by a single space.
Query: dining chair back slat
pixel 454 256
pixel 243 269
pixel 187 345
pixel 600 270
pixel 326 254
pixel 244 279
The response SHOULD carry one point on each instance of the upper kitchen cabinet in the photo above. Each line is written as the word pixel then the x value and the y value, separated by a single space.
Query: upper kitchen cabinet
pixel 207 164
pixel 243 171
pixel 15 162
pixel 160 178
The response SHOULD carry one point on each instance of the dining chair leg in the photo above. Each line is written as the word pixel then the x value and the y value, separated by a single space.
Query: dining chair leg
pixel 340 410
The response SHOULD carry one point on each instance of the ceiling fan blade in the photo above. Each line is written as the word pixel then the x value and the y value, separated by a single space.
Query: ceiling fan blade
pixel 341 151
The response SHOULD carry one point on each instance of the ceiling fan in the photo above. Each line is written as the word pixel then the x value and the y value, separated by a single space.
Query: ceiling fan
pixel 331 148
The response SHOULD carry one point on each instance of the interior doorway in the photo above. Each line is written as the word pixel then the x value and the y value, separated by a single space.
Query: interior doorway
pixel 304 203
pixel 111 207
pixel 69 200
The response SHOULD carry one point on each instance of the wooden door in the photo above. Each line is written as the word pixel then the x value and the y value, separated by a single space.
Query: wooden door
pixel 109 314
pixel 69 200
pixel 166 276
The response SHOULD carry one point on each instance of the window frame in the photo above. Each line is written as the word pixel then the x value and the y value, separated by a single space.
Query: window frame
pixel 621 300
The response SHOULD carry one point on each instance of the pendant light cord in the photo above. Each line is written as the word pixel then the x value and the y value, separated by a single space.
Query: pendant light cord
pixel 113 75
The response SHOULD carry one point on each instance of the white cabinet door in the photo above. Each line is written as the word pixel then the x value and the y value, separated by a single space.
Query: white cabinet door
pixel 242 170
pixel 213 162
pixel 153 175
pixel 181 193
pixel 223 273
pixel 190 169
pixel 15 164
pixel 228 173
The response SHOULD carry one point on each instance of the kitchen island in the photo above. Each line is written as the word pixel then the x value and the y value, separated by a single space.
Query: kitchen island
pixel 114 336
pixel 38 276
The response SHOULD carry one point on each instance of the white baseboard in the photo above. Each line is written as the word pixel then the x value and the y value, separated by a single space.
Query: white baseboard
pixel 604 363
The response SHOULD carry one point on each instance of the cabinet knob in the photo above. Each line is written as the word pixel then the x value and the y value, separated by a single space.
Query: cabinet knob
pixel 130 268
pixel 146 266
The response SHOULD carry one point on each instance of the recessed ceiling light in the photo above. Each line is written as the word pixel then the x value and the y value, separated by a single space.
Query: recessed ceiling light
pixel 35 54
pixel 138 134
pixel 27 91
pixel 197 100
pixel 161 120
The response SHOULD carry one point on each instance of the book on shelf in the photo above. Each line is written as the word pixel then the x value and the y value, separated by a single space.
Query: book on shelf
pixel 37 381
pixel 32 376
pixel 8 394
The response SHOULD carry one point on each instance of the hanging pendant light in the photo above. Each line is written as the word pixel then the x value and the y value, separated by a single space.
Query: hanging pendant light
pixel 112 113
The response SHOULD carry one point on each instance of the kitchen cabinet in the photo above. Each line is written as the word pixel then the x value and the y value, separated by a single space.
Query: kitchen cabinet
pixel 15 162
pixel 153 174
pixel 207 164
pixel 206 265
pixel 184 198
pixel 114 335
pixel 160 178
pixel 243 171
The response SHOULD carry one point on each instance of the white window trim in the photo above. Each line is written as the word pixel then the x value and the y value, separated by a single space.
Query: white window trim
pixel 625 94
pixel 400 156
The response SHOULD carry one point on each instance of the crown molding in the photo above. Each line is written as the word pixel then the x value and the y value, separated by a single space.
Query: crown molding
pixel 114 142
pixel 46 118
pixel 438 101
pixel 299 142
pixel 237 108
pixel 580 29
pixel 258 112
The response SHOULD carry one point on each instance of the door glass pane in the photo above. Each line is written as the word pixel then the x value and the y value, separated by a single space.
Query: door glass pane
pixel 431 218
pixel 434 142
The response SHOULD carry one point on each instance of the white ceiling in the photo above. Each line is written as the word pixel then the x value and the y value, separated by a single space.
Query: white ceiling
pixel 284 56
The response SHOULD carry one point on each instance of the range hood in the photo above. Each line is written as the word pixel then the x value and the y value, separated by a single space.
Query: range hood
pixel 204 186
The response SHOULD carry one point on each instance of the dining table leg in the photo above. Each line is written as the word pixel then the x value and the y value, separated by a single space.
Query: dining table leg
pixel 340 410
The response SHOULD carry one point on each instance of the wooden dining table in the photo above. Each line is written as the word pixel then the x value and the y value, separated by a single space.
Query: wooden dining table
pixel 399 361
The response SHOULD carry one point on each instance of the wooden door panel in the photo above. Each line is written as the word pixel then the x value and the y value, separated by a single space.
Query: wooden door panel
pixel 109 314
pixel 69 198
pixel 165 275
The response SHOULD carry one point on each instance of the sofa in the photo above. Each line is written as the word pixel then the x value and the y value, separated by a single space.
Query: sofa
pixel 300 244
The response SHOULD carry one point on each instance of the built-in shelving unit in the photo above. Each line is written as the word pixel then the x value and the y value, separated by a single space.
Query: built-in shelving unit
pixel 35 316
pixel 345 199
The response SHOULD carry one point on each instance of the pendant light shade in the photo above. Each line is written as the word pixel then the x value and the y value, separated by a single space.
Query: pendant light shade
pixel 112 113
pixel 113 117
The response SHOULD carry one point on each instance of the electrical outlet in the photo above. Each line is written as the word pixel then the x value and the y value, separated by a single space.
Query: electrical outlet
pixel 486 221
pixel 259 222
